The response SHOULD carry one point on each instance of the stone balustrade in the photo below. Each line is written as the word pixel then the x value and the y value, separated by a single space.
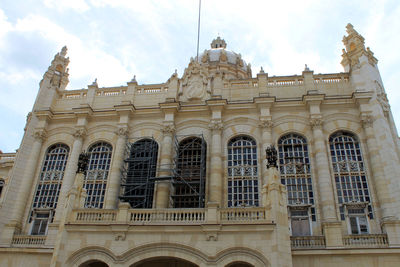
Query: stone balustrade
pixel 28 240
pixel 149 216
pixel 307 242
pixel 371 241
pixel 95 215
pixel 233 215
pixel 248 215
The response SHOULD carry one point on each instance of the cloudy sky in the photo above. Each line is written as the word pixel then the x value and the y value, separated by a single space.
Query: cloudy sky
pixel 112 40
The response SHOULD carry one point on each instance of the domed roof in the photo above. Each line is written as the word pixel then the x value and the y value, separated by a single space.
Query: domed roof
pixel 219 55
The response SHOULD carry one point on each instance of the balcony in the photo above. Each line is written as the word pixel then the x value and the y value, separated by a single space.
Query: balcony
pixel 366 241
pixel 307 242
pixel 28 240
pixel 250 215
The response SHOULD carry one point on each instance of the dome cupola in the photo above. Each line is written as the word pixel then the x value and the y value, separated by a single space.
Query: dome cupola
pixel 220 60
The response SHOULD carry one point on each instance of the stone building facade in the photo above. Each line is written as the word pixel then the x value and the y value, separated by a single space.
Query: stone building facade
pixel 177 172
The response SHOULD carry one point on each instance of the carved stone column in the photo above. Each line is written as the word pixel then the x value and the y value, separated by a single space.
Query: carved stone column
pixel 215 185
pixel 70 170
pixel 330 224
pixel 29 176
pixel 162 186
pixel 115 173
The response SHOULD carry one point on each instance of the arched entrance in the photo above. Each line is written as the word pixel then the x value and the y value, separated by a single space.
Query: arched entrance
pixel 164 262
pixel 94 263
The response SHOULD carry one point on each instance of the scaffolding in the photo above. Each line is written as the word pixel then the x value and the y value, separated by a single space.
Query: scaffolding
pixel 186 174
pixel 188 182
pixel 138 172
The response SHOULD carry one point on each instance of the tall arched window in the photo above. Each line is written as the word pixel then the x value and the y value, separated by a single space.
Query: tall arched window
pixel 48 188
pixel 242 172
pixel 294 167
pixel 351 181
pixel 96 175
pixel 137 180
pixel 190 177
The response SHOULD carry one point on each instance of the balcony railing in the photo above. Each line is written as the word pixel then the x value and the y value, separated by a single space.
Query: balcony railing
pixel 307 242
pixel 243 215
pixel 95 215
pixel 372 241
pixel 248 215
pixel 28 240
pixel 166 216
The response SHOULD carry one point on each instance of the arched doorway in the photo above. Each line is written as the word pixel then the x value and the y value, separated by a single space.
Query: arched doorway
pixel 94 263
pixel 165 262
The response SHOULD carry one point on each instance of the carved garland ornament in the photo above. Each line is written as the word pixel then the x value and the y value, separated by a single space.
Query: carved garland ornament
pixel 79 133
pixel 40 134
pixel 216 125
pixel 316 123
pixel 123 131
pixel 268 124
pixel 168 129
pixel 367 121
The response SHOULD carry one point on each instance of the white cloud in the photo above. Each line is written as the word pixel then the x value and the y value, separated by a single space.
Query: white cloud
pixel 62 5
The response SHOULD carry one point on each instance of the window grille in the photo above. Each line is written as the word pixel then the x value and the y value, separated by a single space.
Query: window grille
pixel 50 178
pixel 48 188
pixel 349 170
pixel 138 176
pixel 190 171
pixel 295 170
pixel 242 172
pixel 95 181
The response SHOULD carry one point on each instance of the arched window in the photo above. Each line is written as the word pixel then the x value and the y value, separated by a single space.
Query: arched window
pixel 294 167
pixel 48 188
pixel 137 180
pixel 242 172
pixel 351 181
pixel 190 177
pixel 96 175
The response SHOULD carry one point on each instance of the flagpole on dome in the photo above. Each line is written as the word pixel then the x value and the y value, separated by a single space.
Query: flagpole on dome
pixel 198 33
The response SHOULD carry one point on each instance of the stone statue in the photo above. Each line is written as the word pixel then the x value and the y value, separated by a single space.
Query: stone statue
pixel 271 155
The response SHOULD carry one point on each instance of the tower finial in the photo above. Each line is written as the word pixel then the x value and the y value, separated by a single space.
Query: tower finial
pixel 64 50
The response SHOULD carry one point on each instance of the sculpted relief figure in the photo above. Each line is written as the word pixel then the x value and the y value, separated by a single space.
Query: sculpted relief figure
pixel 194 84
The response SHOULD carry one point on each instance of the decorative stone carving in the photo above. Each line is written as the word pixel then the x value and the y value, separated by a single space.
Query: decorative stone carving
pixel 316 123
pixel 80 133
pixel 123 131
pixel 40 134
pixel 383 101
pixel 268 124
pixel 367 121
pixel 195 84
pixel 168 129
pixel 216 125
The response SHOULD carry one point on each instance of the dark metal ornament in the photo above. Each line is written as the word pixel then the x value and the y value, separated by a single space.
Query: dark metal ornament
pixel 272 156
pixel 83 162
